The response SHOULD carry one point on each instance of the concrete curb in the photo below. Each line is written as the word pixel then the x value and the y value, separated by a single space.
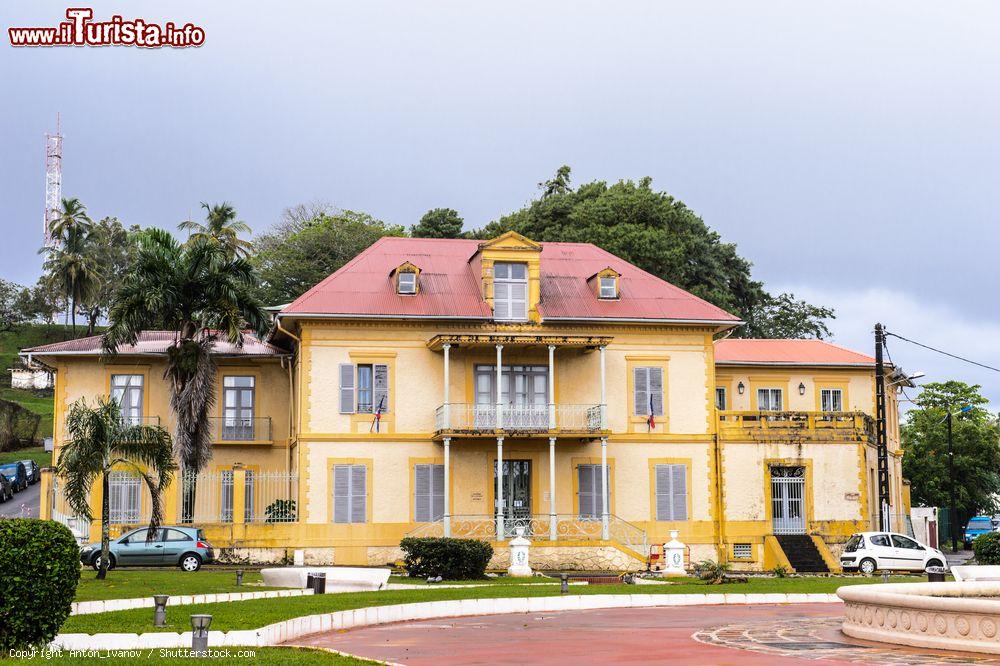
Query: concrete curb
pixel 109 605
pixel 280 632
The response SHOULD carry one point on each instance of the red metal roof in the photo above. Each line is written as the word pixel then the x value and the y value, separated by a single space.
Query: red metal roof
pixel 450 286
pixel 733 351
pixel 156 342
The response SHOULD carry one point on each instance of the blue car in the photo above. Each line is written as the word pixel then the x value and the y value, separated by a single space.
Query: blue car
pixel 176 546
pixel 977 526
pixel 16 474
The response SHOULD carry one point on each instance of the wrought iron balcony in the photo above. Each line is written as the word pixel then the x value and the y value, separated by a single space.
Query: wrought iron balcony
pixel 795 426
pixel 482 418
pixel 237 430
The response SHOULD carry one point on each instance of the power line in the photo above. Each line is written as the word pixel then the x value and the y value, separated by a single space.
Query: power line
pixel 940 351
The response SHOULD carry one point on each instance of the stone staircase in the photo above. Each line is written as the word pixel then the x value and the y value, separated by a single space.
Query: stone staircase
pixel 802 553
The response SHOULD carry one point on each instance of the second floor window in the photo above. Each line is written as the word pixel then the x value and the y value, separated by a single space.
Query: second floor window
pixel 831 400
pixel 238 398
pixel 648 387
pixel 769 400
pixel 127 390
pixel 720 398
pixel 364 388
pixel 510 291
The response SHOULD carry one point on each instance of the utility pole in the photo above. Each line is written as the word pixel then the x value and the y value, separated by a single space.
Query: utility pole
pixel 881 445
pixel 953 515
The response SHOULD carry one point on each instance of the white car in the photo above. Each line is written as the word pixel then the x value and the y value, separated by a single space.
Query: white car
pixel 868 552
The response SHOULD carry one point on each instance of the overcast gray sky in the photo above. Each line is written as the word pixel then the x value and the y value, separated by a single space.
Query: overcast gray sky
pixel 850 149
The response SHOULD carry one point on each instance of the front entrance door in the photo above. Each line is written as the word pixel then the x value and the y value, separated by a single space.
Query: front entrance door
pixel 788 514
pixel 516 495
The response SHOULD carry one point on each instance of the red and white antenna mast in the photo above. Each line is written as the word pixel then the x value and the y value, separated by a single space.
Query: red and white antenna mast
pixel 53 181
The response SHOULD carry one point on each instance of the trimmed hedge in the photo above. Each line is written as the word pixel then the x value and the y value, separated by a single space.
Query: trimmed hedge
pixel 40 561
pixel 452 559
pixel 987 548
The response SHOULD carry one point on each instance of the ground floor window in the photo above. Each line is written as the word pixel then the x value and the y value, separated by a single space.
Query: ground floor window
pixel 591 491
pixel 124 497
pixel 671 492
pixel 350 493
pixel 428 493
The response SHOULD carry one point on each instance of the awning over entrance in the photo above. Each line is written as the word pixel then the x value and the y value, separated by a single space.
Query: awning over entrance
pixel 474 340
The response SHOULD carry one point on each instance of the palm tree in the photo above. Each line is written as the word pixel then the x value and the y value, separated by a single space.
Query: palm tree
pixel 72 220
pixel 200 291
pixel 222 227
pixel 71 262
pixel 100 440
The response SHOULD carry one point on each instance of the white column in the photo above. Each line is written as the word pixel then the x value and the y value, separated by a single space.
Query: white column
pixel 605 491
pixel 604 393
pixel 447 386
pixel 500 527
pixel 447 485
pixel 552 488
pixel 499 414
pixel 552 387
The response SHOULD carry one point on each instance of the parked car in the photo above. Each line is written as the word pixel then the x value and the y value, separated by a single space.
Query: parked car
pixel 868 552
pixel 32 470
pixel 6 490
pixel 185 547
pixel 16 474
pixel 975 527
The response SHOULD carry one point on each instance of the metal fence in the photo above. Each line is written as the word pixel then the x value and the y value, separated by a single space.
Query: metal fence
pixel 273 496
pixel 524 418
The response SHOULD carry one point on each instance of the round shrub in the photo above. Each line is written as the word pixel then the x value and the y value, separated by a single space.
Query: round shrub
pixel 452 559
pixel 987 548
pixel 40 561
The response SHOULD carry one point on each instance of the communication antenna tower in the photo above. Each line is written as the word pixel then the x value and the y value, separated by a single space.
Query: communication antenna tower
pixel 53 181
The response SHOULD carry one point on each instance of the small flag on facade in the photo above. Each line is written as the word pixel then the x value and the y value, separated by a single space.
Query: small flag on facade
pixel 376 422
pixel 651 421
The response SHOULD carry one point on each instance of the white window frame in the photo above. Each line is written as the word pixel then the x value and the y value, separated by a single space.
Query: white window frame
pixel 354 495
pixel 609 287
pixel 428 507
pixel 124 497
pixel 407 283
pixel 826 397
pixel 768 404
pixel 350 387
pixel 503 292
pixel 124 388
pixel 671 472
pixel 235 426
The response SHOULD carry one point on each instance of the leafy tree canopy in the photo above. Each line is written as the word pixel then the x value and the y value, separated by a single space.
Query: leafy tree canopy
pixel 438 223
pixel 301 251
pixel 976 447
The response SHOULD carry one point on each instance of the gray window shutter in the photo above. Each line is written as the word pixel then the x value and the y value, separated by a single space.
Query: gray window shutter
pixel 678 489
pixel 346 388
pixel 640 386
pixel 437 492
pixel 422 493
pixel 341 493
pixel 380 387
pixel 664 507
pixel 656 390
pixel 501 300
pixel 359 490
pixel 586 492
pixel 519 300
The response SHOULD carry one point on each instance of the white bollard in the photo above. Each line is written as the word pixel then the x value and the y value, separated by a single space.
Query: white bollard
pixel 673 556
pixel 299 557
pixel 519 562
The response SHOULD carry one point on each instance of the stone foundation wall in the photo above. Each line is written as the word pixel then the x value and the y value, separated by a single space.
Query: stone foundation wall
pixel 571 558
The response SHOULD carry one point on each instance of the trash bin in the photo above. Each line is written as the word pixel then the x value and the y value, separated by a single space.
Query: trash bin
pixel 936 574
pixel 316 581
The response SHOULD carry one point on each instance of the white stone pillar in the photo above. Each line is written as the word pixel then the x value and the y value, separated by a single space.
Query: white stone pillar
pixel 605 491
pixel 499 414
pixel 552 488
pixel 552 387
pixel 447 387
pixel 604 392
pixel 447 487
pixel 499 493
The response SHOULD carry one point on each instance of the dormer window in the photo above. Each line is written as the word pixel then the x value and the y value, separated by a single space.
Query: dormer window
pixel 510 291
pixel 609 287
pixel 407 283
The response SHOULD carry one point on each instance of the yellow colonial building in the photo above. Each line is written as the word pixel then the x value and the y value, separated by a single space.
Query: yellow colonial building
pixel 476 389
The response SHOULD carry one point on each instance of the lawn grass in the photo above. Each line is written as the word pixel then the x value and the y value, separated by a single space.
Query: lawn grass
pixel 132 583
pixel 276 655
pixel 261 612
pixel 36 453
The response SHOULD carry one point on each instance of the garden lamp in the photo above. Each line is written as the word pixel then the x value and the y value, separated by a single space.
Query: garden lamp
pixel 199 637
pixel 160 612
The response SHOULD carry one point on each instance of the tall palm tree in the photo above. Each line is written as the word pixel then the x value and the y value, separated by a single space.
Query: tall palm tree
pixel 222 227
pixel 72 220
pixel 71 262
pixel 101 440
pixel 200 291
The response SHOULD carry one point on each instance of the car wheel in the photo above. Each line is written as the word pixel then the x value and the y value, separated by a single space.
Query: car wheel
pixel 97 563
pixel 190 562
pixel 867 566
pixel 933 563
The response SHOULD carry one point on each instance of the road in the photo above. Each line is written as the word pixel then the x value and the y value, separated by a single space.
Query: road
pixel 24 505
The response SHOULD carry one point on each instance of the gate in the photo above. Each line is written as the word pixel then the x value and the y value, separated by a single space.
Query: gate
pixel 788 500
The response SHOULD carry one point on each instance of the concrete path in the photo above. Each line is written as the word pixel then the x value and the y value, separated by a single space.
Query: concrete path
pixel 24 504
pixel 775 635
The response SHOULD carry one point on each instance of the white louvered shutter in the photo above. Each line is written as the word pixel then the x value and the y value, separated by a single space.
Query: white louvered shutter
pixel 422 493
pixel 671 492
pixel 519 300
pixel 679 491
pixel 437 492
pixel 656 389
pixel 341 493
pixel 501 300
pixel 359 494
pixel 380 386
pixel 640 385
pixel 346 388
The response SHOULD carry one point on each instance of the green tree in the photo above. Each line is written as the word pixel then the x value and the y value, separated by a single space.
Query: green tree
pixel 783 316
pixel 976 448
pixel 101 440
pixel 111 250
pixel 438 223
pixel 300 252
pixel 15 306
pixel 40 302
pixel 222 227
pixel 659 234
pixel 200 291
pixel 71 263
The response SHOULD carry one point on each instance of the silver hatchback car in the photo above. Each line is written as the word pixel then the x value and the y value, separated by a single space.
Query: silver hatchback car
pixel 184 547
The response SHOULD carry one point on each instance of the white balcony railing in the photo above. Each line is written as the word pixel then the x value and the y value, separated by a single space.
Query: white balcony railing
pixel 466 417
